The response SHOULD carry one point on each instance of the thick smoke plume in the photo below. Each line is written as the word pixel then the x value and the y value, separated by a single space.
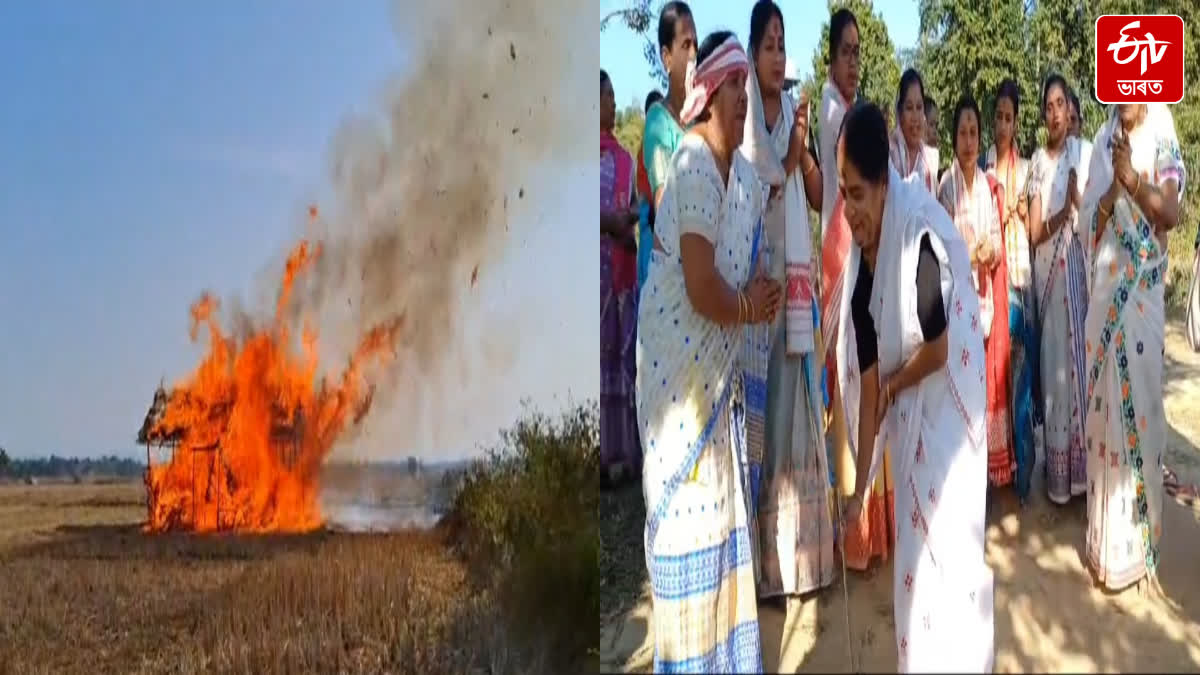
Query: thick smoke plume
pixel 424 190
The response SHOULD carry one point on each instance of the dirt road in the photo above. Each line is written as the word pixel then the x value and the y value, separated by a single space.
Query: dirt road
pixel 1049 616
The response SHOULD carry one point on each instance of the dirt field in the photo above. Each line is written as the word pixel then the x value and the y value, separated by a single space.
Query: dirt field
pixel 1048 614
pixel 83 590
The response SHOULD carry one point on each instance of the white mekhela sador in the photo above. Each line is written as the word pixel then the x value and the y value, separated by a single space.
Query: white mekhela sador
pixel 1062 303
pixel 794 528
pixel 1126 426
pixel 935 433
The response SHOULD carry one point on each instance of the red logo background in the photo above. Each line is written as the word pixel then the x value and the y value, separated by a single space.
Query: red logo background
pixel 1119 82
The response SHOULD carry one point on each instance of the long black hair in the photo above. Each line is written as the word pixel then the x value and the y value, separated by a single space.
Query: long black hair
pixel 760 16
pixel 864 139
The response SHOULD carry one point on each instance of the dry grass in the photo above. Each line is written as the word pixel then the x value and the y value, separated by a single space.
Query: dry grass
pixel 508 584
pixel 83 590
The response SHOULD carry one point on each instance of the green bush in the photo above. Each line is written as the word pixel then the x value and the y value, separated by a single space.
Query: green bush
pixel 526 519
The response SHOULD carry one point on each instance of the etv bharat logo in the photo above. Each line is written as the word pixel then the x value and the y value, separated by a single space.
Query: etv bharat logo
pixel 1139 59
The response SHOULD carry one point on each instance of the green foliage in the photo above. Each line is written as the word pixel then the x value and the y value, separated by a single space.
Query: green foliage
pixel 54 466
pixel 527 517
pixel 630 125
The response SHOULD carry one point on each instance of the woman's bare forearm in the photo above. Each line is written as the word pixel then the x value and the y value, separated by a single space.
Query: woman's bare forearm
pixel 868 399
pixel 1162 209
pixel 814 185
pixel 706 289
pixel 924 361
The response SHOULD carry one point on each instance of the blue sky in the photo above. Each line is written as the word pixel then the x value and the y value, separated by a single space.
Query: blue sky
pixel 621 49
pixel 154 150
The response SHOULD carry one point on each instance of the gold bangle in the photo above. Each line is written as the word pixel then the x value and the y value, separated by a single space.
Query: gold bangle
pixel 751 314
pixel 742 307
pixel 1137 189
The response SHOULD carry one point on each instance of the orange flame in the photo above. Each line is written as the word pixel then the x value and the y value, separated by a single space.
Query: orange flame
pixel 253 424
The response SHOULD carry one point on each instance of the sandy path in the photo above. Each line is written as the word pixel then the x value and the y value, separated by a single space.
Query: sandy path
pixel 1049 616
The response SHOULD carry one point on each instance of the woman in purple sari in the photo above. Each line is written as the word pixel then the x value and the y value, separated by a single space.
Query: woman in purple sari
pixel 620 448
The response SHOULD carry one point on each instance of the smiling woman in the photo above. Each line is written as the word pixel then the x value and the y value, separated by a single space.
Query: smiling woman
pixel 911 373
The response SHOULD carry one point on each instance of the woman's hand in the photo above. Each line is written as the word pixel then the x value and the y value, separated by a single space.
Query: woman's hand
pixel 984 253
pixel 1073 189
pixel 764 295
pixel 1022 208
pixel 1122 164
pixel 852 510
pixel 800 125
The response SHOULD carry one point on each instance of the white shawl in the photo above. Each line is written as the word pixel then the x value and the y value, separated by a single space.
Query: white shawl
pixel 975 216
pixel 924 165
pixel 1159 124
pixel 786 218
pixel 909 212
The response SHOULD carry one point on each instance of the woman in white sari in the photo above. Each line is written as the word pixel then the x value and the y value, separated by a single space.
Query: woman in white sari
pixel 704 290
pixel 1132 202
pixel 873 534
pixel 911 366
pixel 1059 172
pixel 910 154
pixel 794 524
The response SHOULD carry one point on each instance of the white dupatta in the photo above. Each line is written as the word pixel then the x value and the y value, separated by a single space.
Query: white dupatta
pixel 909 212
pixel 924 165
pixel 786 219
pixel 975 217
pixel 1073 156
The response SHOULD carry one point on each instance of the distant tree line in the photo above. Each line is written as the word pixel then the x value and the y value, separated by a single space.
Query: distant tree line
pixel 54 466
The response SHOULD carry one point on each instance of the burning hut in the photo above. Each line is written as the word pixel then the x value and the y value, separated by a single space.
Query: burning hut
pixel 208 467
pixel 242 439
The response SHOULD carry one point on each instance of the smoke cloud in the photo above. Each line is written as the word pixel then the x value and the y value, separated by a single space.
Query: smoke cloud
pixel 425 190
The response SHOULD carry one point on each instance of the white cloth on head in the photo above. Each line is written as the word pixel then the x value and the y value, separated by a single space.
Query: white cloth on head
pixel 974 213
pixel 789 234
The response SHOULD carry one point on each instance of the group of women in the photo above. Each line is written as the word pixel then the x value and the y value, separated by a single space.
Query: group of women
pixel 955 311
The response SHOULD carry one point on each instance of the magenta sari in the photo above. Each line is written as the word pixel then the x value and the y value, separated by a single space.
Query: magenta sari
pixel 619 440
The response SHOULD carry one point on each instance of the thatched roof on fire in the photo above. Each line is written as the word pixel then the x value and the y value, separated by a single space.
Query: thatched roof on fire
pixel 149 433
pixel 285 427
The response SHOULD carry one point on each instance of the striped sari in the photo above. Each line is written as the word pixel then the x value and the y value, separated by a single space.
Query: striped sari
pixel 694 398
pixel 1126 426
pixel 1062 304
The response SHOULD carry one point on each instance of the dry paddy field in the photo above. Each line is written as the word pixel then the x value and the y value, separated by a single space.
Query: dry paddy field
pixel 82 589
